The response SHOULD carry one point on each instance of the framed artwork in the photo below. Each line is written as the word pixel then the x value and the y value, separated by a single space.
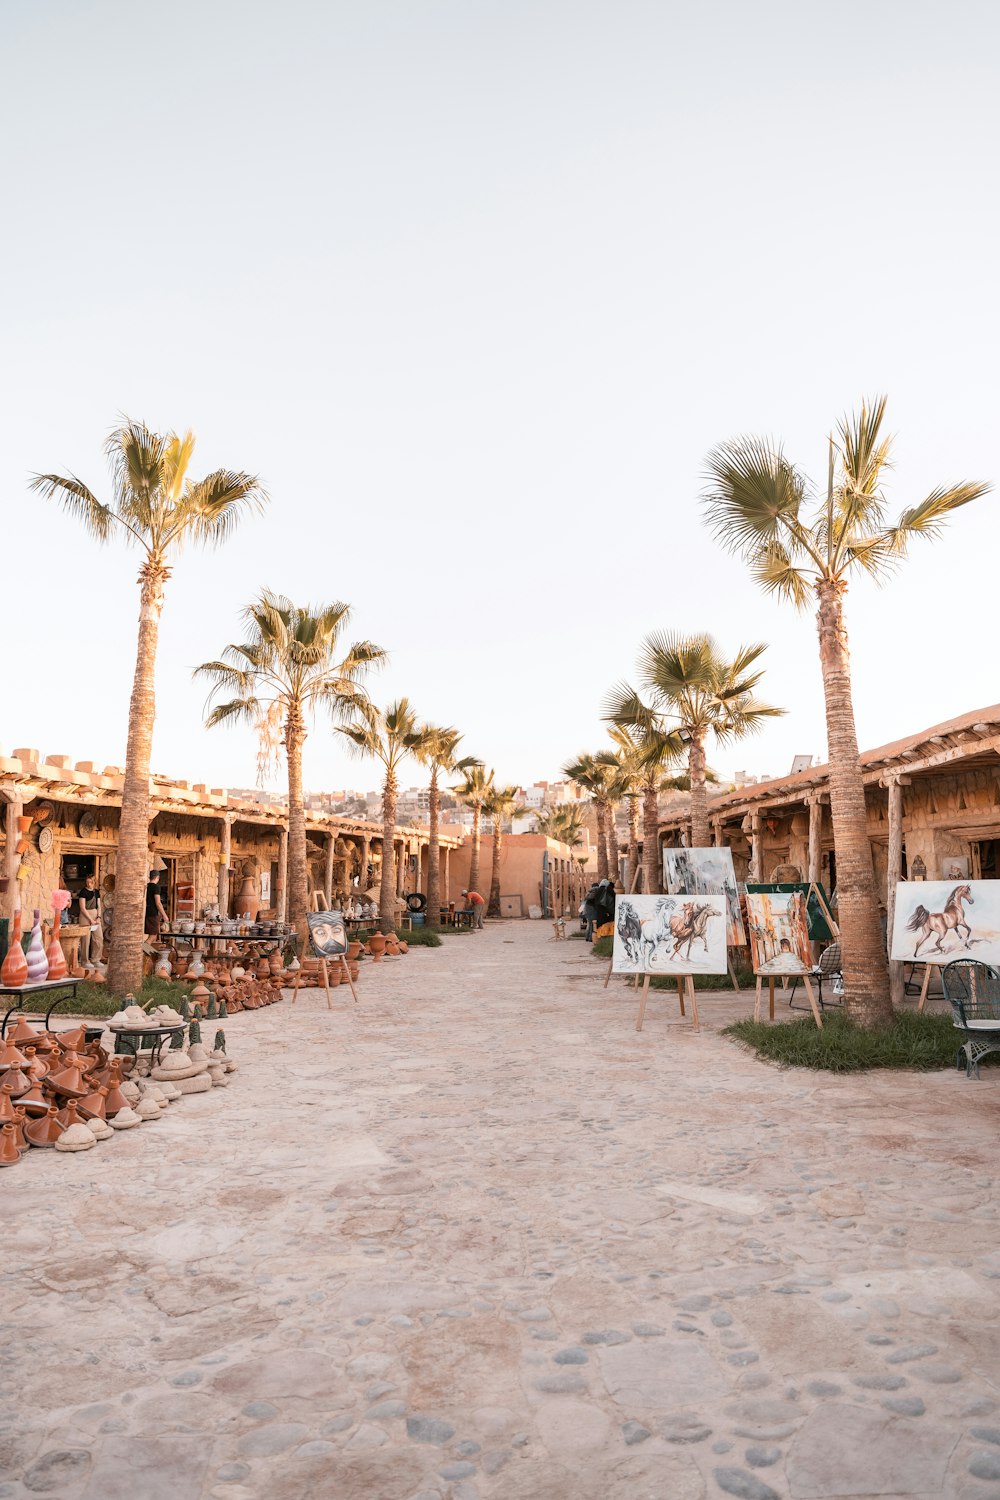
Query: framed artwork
pixel 779 932
pixel 327 933
pixel 938 920
pixel 953 866
pixel 669 935
pixel 706 872
pixel 817 904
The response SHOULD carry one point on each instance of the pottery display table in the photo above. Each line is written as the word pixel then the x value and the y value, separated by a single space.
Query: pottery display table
pixel 457 918
pixel 243 943
pixel 55 991
pixel 133 1036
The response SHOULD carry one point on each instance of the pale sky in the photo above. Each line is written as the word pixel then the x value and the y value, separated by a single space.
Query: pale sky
pixel 474 287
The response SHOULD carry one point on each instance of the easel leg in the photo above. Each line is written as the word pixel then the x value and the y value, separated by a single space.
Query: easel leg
pixel 680 991
pixel 608 974
pixel 347 976
pixel 693 997
pixel 732 976
pixel 812 1001
pixel 924 987
pixel 642 1003
pixel 758 997
pixel 295 985
pixel 770 998
pixel 326 982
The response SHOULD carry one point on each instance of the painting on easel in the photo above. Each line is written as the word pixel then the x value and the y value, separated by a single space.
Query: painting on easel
pixel 938 920
pixel 328 933
pixel 670 935
pixel 779 932
pixel 706 872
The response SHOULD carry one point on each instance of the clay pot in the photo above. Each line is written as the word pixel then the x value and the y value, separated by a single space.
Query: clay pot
pixel 44 1131
pixel 116 1099
pixel 20 1120
pixel 73 1041
pixel 335 976
pixel 354 968
pixel 19 1082
pixel 353 949
pixel 11 1056
pixel 31 1099
pixel 9 1154
pixel 14 970
pixel 36 1067
pixel 200 994
pixel 7 1114
pixel 263 968
pixel 403 947
pixel 69 1080
pixel 24 1032
pixel 377 946
pixel 68 1115
pixel 247 900
pixel 95 1106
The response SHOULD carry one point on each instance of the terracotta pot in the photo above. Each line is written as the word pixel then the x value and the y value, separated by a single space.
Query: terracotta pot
pixel 247 900
pixel 335 976
pixel 354 968
pixel 7 1115
pixel 403 947
pixel 9 1154
pixel 32 1100
pixel 353 949
pixel 58 968
pixel 95 1106
pixel 44 1131
pixel 14 971
pixel 377 946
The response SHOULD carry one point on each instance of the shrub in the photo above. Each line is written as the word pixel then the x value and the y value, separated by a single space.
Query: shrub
pixel 919 1043
pixel 420 937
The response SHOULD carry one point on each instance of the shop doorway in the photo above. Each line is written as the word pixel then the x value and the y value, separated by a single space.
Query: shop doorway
pixel 986 859
pixel 74 867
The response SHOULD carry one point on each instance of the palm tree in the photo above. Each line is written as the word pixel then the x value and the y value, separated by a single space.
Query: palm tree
pixel 653 750
pixel 562 822
pixel 587 772
pixel 388 736
pixel 805 547
pixel 438 752
pixel 287 668
pixel 695 689
pixel 500 803
pixel 473 790
pixel 155 506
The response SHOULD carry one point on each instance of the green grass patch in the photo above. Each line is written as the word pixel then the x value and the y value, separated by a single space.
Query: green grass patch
pixel 602 947
pixel 96 1000
pixel 914 1042
pixel 420 937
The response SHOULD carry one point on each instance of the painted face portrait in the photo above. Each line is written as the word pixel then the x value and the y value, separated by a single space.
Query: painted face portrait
pixel 328 934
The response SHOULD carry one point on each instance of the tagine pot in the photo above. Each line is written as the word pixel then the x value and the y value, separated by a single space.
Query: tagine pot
pixel 46 1130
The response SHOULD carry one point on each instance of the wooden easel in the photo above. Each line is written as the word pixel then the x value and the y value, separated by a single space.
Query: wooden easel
pixel 685 986
pixel 325 976
pixel 759 997
pixel 924 987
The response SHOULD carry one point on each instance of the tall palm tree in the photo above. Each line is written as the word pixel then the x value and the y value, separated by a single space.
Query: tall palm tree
pixel 653 750
pixel 289 665
pixel 563 822
pixel 389 736
pixel 156 507
pixel 500 804
pixel 805 547
pixel 438 752
pixel 473 790
pixel 587 772
pixel 695 690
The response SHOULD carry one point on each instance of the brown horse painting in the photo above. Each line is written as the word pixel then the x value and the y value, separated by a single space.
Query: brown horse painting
pixel 952 919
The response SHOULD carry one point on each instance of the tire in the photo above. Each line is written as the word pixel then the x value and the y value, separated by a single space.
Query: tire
pixel 417 901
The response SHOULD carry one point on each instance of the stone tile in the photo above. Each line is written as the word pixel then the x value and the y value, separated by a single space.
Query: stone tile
pixel 848 1450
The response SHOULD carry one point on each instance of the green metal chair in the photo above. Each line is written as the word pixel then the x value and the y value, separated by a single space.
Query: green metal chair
pixel 973 991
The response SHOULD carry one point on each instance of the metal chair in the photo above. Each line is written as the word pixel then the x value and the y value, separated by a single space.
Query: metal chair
pixel 828 968
pixel 973 991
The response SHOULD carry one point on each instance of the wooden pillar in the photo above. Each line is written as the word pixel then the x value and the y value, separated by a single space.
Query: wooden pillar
pixel 717 838
pixel 281 895
pixel 331 844
pixel 756 851
pixel 815 834
pixel 400 853
pixel 12 899
pixel 895 871
pixel 225 855
pixel 365 857
pixel 445 875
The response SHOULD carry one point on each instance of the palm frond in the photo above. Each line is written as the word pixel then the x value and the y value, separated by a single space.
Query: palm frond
pixel 210 510
pixel 752 496
pixel 241 710
pixel 77 500
pixel 773 569
pixel 928 518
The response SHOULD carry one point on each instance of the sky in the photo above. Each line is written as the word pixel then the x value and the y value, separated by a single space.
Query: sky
pixel 474 288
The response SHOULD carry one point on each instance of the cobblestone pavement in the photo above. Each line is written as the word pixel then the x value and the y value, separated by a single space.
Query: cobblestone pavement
pixel 477 1237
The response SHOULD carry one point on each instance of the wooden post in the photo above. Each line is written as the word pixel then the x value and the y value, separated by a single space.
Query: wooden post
pixel 12 900
pixel 693 997
pixel 756 859
pixel 895 872
pixel 925 986
pixel 815 832
pixel 281 894
pixel 331 844
pixel 224 858
pixel 445 880
pixel 400 864
pixel 366 851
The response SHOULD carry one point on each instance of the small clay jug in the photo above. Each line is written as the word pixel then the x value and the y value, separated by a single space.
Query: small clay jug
pixel 7 1114
pixel 9 1154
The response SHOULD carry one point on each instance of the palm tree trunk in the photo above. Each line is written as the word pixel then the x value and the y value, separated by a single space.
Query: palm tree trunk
pixel 493 909
pixel 650 840
pixel 132 861
pixel 865 968
pixel 602 841
pixel 633 840
pixel 613 860
pixel 700 838
pixel 433 917
pixel 298 874
pixel 477 821
pixel 387 890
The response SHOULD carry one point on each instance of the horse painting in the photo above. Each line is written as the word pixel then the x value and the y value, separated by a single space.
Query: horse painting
pixel 669 935
pixel 629 930
pixel 939 924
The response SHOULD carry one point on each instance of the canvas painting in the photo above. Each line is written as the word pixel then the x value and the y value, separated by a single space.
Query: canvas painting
pixel 706 872
pixel 670 935
pixel 938 920
pixel 955 867
pixel 328 933
pixel 779 932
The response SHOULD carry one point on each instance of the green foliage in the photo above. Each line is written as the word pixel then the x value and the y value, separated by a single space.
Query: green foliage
pixel 602 947
pixel 95 999
pixel 914 1042
pixel 420 937
pixel 707 981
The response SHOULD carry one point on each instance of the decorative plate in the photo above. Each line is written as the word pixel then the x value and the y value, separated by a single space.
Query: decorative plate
pixel 45 840
pixel 87 823
pixel 44 813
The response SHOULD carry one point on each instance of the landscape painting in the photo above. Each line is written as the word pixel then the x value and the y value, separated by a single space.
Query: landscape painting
pixel 938 920
pixel 779 932
pixel 670 935
pixel 706 872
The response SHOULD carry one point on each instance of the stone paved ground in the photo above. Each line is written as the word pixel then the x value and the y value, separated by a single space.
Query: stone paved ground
pixel 477 1238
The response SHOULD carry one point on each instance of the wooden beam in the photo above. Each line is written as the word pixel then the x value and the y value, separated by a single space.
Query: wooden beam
pixel 12 899
pixel 224 858
pixel 331 844
pixel 281 894
pixel 894 873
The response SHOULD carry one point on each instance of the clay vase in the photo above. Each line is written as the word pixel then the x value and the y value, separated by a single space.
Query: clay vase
pixel 38 964
pixel 274 962
pixel 353 949
pixel 9 1154
pixel 55 957
pixel 14 970
pixel 44 1131
pixel 247 900
pixel 161 968
pixel 263 969
pixel 377 946
pixel 196 968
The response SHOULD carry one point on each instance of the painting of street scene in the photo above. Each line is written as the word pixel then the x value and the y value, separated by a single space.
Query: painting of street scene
pixel 779 932
pixel 670 935
pixel 938 920
pixel 706 872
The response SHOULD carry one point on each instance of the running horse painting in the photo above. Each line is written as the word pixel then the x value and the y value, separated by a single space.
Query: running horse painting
pixel 658 934
pixel 939 924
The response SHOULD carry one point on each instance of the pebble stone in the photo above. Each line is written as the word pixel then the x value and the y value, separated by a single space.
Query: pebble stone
pixel 634 1432
pixel 429 1430
pixel 745 1486
pixel 571 1357
pixel 985 1465
pixel 987 1434
pixel 905 1406
pixel 760 1456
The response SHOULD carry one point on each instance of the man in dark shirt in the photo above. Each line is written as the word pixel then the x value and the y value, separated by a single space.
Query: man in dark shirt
pixel 155 913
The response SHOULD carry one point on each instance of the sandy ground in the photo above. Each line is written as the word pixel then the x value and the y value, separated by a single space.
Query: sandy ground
pixel 476 1237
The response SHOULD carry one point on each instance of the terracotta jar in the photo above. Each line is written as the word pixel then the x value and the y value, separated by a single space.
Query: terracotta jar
pixel 377 946
pixel 247 900
pixel 58 968
pixel 14 971
pixel 353 949
pixel 335 975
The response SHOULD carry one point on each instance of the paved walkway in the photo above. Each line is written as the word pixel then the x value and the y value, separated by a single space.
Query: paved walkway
pixel 478 1238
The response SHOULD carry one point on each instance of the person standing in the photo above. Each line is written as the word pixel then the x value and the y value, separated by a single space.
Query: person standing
pixel 155 913
pixel 88 909
pixel 477 906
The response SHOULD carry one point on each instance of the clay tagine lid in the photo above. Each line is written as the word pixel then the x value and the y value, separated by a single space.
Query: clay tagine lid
pixel 11 1056
pixel 46 1130
pixel 7 1115
pixel 95 1106
pixel 9 1154
pixel 24 1032
pixel 33 1101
